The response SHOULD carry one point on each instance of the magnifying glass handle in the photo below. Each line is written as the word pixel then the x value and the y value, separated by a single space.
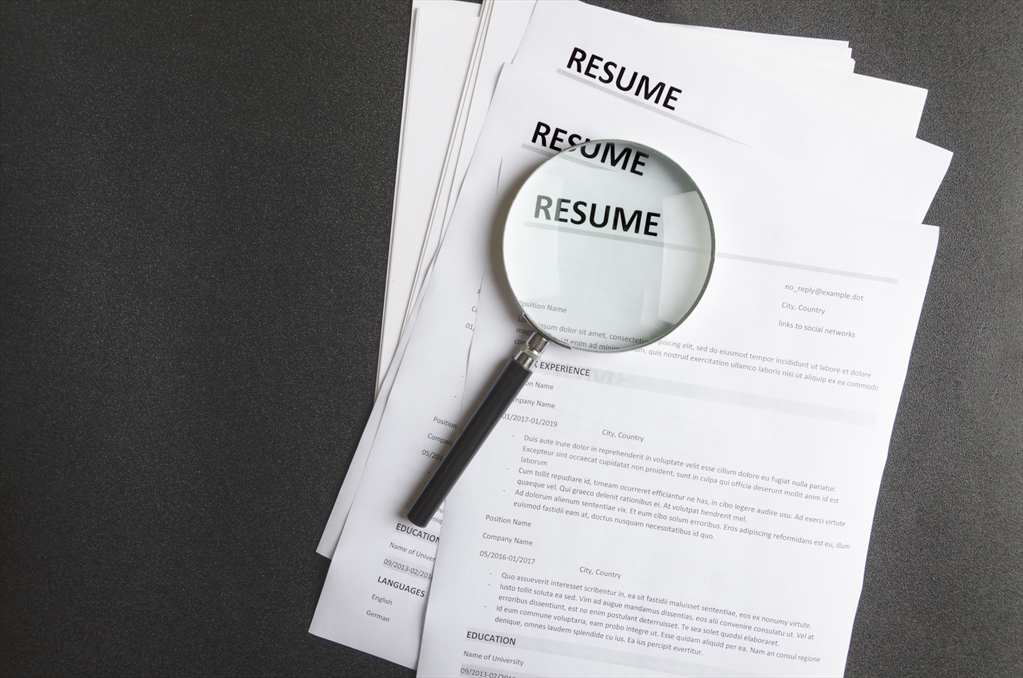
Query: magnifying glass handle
pixel 501 394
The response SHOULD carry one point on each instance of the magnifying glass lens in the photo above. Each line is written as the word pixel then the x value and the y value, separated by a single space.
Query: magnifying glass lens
pixel 608 246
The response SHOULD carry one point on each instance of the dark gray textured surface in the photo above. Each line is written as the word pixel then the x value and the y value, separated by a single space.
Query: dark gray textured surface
pixel 195 209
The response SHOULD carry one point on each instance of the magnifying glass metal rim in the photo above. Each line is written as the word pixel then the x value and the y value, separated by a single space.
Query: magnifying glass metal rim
pixel 706 281
pixel 517 371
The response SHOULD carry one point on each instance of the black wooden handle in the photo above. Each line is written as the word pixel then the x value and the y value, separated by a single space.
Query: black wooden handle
pixel 499 397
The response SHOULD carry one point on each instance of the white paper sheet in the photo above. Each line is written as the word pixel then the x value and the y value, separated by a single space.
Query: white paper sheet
pixel 587 46
pixel 434 228
pixel 699 507
pixel 895 105
pixel 892 104
pixel 409 229
pixel 438 62
pixel 394 312
pixel 889 103
pixel 782 43
pixel 431 101
pixel 423 404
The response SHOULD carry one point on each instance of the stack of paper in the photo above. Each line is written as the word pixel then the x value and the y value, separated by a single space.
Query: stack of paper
pixel 699 507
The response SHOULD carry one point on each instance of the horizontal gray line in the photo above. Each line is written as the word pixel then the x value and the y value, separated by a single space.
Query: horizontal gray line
pixel 539 149
pixel 805 267
pixel 613 236
pixel 719 255
pixel 608 655
pixel 725 396
pixel 549 152
pixel 660 110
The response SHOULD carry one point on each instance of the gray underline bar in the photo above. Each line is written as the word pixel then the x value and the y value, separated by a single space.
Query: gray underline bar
pixel 609 655
pixel 613 236
pixel 724 396
pixel 539 149
pixel 550 152
pixel 718 255
pixel 633 100
pixel 806 267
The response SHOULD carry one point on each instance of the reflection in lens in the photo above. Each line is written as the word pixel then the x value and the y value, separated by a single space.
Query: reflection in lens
pixel 608 246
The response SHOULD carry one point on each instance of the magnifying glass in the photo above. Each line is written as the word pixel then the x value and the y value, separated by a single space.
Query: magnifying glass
pixel 608 246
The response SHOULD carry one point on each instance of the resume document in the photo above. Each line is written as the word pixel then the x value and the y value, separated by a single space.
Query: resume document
pixel 701 506
pixel 374 597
